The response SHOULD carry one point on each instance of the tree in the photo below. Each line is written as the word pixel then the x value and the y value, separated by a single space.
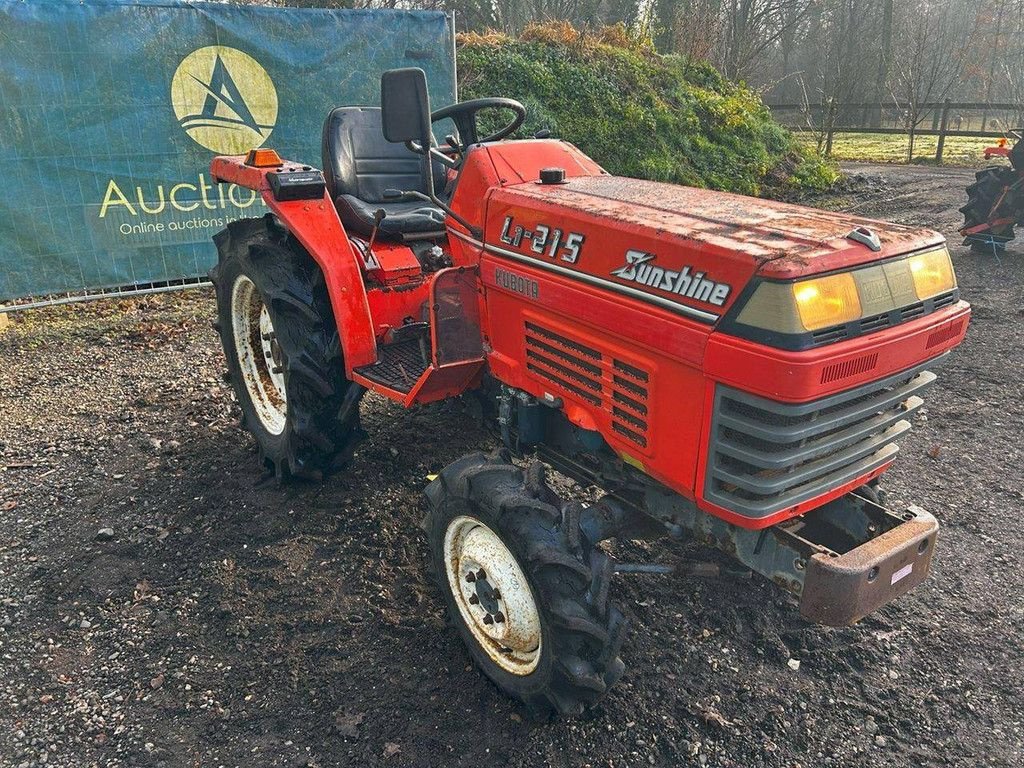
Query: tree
pixel 932 44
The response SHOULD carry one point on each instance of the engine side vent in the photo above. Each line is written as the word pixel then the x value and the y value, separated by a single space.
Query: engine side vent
pixel 619 388
pixel 848 368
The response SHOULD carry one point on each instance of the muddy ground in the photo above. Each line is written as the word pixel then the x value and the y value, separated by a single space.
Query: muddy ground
pixel 232 622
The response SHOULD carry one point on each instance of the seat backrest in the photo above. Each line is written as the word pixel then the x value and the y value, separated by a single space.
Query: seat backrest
pixel 359 161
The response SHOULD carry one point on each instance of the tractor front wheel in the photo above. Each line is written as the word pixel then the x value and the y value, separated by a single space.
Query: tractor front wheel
pixel 283 353
pixel 525 589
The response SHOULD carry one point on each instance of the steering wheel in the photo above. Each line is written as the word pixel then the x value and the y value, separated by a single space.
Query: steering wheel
pixel 463 114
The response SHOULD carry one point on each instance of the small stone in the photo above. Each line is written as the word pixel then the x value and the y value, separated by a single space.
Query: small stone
pixel 881 741
pixel 393 451
pixel 157 681
pixel 391 749
pixel 105 534
pixel 870 725
pixel 85 624
pixel 793 664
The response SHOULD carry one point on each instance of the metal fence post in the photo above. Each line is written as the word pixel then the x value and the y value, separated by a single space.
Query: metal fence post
pixel 943 126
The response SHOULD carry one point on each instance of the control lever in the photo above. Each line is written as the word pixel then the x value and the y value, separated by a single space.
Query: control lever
pixel 378 216
pixel 452 142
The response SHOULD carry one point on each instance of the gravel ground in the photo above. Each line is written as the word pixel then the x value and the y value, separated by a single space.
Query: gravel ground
pixel 163 604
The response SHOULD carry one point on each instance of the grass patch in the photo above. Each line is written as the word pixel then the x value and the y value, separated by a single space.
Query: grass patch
pixel 638 113
pixel 890 148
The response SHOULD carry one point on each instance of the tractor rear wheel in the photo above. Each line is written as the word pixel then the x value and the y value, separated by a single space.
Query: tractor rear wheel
pixel 283 354
pixel 525 589
pixel 985 202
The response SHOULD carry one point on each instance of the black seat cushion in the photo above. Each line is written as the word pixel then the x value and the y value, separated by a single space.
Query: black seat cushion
pixel 359 164
pixel 400 219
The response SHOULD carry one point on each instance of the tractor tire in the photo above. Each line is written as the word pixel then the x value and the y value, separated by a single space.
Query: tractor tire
pixel 283 353
pixel 983 197
pixel 525 589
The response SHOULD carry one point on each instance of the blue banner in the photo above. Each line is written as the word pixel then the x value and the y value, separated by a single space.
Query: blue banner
pixel 110 112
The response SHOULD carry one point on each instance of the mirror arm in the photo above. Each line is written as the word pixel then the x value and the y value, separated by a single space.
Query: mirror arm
pixel 443 158
pixel 431 197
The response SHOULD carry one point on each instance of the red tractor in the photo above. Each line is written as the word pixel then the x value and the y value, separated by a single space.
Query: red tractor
pixel 725 368
pixel 995 201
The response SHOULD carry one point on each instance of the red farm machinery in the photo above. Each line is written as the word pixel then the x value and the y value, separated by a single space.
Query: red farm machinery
pixel 724 368
pixel 995 201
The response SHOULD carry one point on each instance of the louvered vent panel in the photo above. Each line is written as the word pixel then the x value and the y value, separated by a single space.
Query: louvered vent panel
pixel 618 387
pixel 843 370
pixel 943 335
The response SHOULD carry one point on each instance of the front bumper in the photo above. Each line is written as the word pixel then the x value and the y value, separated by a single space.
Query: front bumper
pixel 842 560
pixel 841 590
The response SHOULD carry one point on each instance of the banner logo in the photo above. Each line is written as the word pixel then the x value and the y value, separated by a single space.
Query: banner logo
pixel 224 99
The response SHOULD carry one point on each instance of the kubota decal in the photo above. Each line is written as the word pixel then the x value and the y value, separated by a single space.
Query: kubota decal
pixel 517 283
pixel 639 268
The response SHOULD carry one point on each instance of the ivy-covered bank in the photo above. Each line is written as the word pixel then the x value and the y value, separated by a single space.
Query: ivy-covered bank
pixel 639 113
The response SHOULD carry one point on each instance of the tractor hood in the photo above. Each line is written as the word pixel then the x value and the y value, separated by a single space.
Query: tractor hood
pixel 687 246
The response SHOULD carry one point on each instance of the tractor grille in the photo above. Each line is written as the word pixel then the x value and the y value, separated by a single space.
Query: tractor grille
pixel 619 388
pixel 765 456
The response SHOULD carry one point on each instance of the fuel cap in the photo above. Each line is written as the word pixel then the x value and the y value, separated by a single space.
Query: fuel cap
pixel 552 175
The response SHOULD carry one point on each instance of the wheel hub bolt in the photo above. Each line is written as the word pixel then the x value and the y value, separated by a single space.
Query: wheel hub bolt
pixel 496 594
pixel 488 619
pixel 471 577
pixel 499 617
pixel 480 574
pixel 474 600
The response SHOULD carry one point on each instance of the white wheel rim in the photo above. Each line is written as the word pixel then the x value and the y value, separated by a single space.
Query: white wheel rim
pixel 512 636
pixel 259 355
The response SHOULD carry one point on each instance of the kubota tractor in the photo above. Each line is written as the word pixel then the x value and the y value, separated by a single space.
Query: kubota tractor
pixel 995 201
pixel 725 368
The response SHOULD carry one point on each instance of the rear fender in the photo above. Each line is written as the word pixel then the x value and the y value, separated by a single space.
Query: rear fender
pixel 315 224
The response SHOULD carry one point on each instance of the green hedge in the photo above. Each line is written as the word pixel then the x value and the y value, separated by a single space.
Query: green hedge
pixel 644 115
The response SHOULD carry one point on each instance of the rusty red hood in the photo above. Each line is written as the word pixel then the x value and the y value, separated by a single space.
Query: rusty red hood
pixel 784 240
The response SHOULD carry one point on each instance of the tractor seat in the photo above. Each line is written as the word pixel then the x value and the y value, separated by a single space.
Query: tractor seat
pixel 359 164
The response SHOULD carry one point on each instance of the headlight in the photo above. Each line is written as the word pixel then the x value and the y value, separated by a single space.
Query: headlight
pixel 826 301
pixel 932 273
pixel 810 305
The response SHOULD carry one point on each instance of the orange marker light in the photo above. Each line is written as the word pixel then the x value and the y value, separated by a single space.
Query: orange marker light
pixel 263 158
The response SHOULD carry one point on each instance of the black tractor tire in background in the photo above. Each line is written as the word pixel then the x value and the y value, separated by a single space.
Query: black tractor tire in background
pixel 581 631
pixel 321 414
pixel 983 196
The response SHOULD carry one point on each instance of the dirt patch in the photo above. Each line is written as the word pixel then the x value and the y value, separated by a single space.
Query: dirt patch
pixel 232 622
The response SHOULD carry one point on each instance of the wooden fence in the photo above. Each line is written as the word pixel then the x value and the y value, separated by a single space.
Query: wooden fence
pixel 942 119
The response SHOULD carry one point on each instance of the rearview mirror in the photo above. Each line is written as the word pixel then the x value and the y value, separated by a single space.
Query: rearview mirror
pixel 405 106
